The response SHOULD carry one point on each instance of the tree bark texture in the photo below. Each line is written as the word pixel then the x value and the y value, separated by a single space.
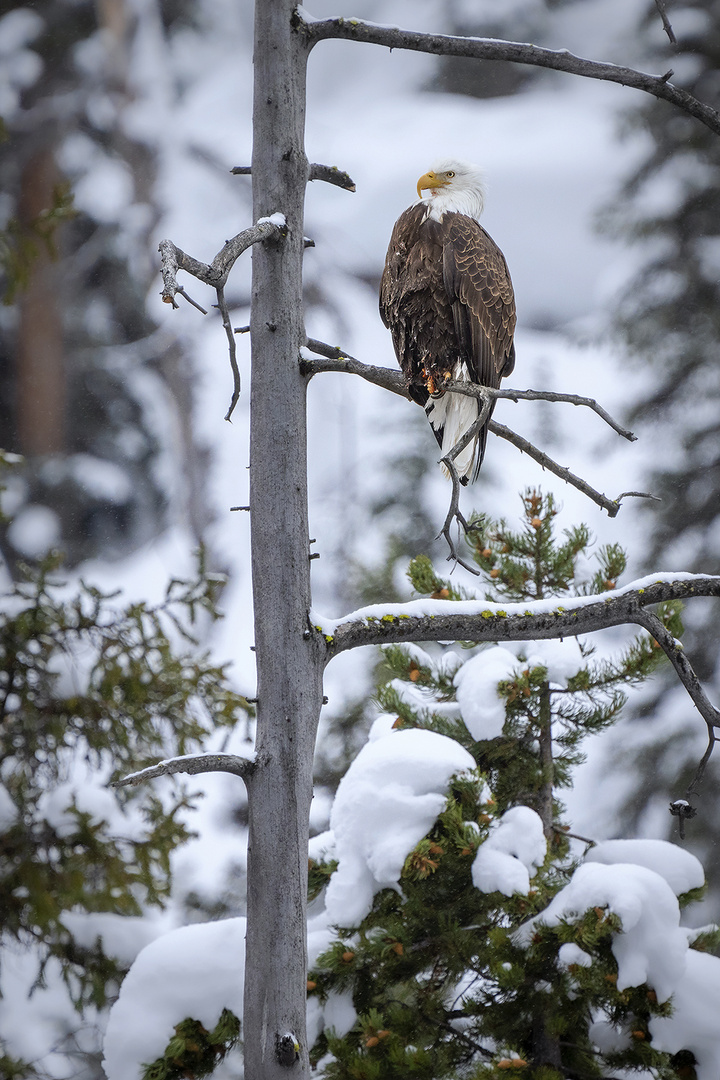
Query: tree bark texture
pixel 289 659
pixel 41 390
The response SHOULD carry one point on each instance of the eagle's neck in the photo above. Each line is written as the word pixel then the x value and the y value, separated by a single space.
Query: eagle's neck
pixel 468 201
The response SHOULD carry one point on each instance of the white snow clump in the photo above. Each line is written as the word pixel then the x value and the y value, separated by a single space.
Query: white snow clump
pixel 482 708
pixel 513 851
pixel 196 971
pixel 387 801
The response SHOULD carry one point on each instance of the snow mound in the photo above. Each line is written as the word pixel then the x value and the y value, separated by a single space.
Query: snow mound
pixel 511 854
pixel 482 708
pixel 196 971
pixel 678 867
pixel 652 946
pixel 386 802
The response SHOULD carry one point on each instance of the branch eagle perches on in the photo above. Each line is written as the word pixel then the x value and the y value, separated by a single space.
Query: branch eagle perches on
pixel 333 359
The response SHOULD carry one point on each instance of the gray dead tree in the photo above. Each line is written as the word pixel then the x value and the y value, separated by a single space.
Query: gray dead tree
pixel 291 653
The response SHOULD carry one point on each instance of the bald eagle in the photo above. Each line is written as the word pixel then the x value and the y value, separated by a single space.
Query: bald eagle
pixel 447 299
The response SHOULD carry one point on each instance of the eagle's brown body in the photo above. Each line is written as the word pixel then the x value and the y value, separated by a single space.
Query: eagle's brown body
pixel 447 298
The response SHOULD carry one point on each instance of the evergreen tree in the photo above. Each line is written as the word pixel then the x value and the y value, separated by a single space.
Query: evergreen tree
pixel 91 689
pixel 489 956
pixel 669 318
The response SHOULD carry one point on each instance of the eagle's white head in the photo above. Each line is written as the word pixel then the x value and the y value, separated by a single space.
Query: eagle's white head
pixel 455 187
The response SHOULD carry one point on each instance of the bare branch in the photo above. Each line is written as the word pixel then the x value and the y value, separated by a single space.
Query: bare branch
pixel 174 258
pixel 454 513
pixel 448 461
pixel 517 52
pixel 660 5
pixel 336 360
pixel 611 505
pixel 396 382
pixel 675 653
pixel 190 300
pixel 543 395
pixel 637 495
pixel 192 765
pixel 333 359
pixel 227 324
pixel 331 175
pixel 478 620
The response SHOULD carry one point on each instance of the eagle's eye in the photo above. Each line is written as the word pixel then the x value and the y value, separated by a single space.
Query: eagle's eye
pixel 449 174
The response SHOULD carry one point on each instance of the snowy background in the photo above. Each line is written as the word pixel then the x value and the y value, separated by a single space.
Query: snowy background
pixel 553 160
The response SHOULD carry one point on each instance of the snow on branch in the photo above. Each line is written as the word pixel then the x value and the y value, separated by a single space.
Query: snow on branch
pixel 333 359
pixel 215 274
pixel 481 620
pixel 517 52
pixel 192 765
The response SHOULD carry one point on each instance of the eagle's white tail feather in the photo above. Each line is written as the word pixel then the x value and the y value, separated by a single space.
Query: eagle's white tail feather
pixel 454 413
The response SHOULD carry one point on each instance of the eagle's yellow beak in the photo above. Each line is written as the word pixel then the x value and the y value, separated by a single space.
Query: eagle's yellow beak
pixel 429 180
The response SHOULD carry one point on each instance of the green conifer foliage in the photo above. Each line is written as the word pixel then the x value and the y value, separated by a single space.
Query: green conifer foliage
pixel 669 317
pixel 444 982
pixel 86 679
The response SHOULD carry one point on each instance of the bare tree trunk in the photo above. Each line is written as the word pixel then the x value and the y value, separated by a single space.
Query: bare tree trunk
pixel 289 658
pixel 41 390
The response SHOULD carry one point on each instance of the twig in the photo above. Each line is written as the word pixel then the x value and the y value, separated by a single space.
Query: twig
pixel 660 5
pixel 192 764
pixel 543 395
pixel 637 495
pixel 454 514
pixel 517 52
pixel 329 173
pixel 685 672
pixel 611 505
pixel 573 835
pixel 448 461
pixel 222 305
pixel 676 655
pixel 190 300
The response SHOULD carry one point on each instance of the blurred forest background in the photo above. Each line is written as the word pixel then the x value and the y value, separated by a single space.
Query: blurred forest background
pixel 121 122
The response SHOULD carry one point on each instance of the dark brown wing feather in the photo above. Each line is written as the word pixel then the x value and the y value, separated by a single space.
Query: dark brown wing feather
pixel 478 285
pixel 414 303
pixel 446 296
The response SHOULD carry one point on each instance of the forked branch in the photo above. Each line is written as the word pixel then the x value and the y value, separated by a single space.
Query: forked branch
pixel 333 359
pixel 215 274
